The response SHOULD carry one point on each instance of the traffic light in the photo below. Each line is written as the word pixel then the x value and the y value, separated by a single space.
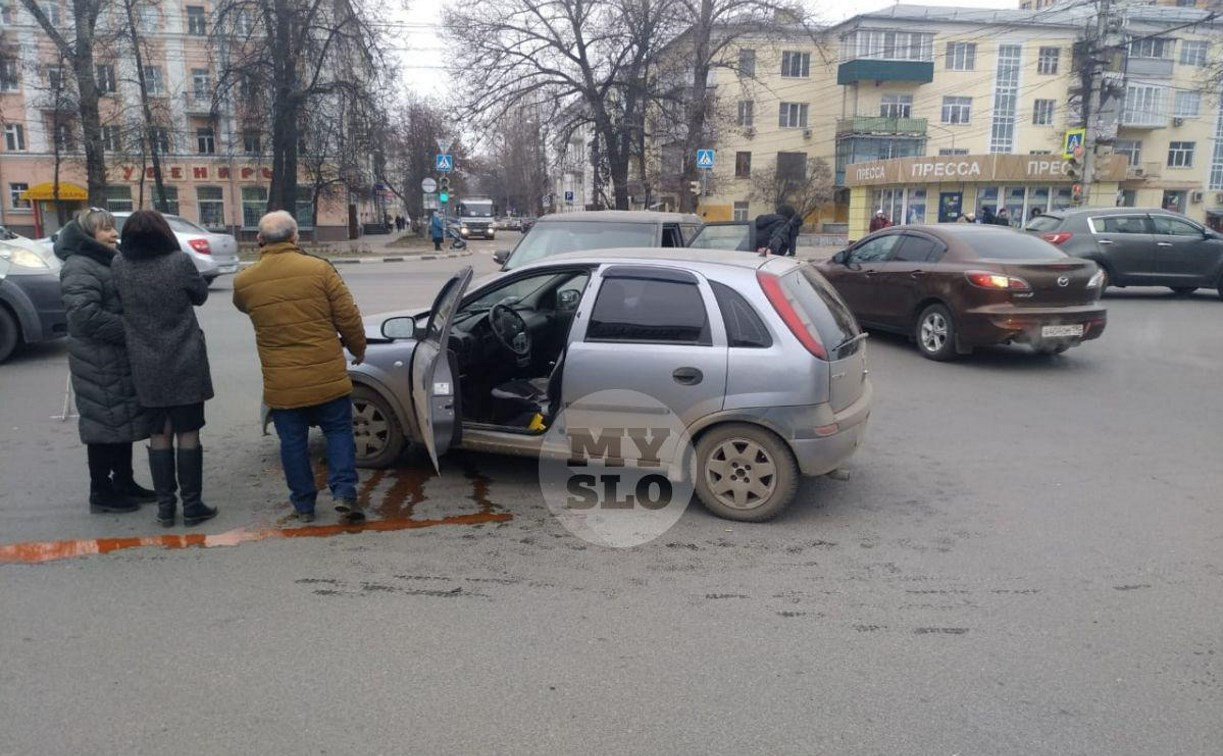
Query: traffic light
pixel 694 187
pixel 1076 194
pixel 443 189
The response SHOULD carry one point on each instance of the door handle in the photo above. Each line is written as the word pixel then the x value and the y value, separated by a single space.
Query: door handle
pixel 1163 244
pixel 688 376
pixel 1104 241
pixel 870 272
pixel 917 274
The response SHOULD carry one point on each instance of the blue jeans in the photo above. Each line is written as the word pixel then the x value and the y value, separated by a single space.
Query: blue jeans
pixel 293 427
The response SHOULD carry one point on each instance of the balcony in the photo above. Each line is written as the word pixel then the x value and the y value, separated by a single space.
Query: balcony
pixel 1143 171
pixel 1144 120
pixel 1149 68
pixel 197 105
pixel 867 125
pixel 865 69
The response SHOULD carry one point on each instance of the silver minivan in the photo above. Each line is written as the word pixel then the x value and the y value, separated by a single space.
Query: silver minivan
pixel 759 358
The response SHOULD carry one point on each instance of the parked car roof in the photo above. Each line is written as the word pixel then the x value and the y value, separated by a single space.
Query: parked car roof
pixel 630 216
pixel 685 255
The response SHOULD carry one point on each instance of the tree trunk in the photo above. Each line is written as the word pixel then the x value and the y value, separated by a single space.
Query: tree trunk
pixel 697 106
pixel 87 92
pixel 150 128
pixel 282 195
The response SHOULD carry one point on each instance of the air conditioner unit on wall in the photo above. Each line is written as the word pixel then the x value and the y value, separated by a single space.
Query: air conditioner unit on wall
pixel 806 133
pixel 1195 197
pixel 1178 122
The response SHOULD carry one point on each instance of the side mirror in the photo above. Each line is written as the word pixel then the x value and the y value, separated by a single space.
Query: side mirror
pixel 841 257
pixel 568 299
pixel 500 256
pixel 399 328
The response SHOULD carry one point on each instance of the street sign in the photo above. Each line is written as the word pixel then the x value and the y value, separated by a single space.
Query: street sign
pixel 428 185
pixel 568 198
pixel 1075 138
pixel 445 163
pixel 704 160
pixel 547 198
pixel 443 144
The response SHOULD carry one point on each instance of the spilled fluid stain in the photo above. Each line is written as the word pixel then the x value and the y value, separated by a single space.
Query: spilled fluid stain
pixel 393 510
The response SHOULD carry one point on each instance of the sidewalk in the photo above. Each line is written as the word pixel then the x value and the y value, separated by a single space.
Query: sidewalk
pixel 371 248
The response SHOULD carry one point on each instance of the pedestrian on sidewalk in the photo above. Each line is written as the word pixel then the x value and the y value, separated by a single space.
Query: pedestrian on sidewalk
pixel 303 314
pixel 160 289
pixel 111 416
pixel 437 230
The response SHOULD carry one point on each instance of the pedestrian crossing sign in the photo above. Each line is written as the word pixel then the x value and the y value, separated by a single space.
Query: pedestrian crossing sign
pixel 1075 139
pixel 704 160
pixel 445 163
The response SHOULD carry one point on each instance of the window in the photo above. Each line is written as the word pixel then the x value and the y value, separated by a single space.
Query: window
pixel 1170 225
pixel 1194 52
pixel 795 65
pixel 196 24
pixel 251 142
pixel 1187 105
pixel 875 250
pixel 10 77
pixel 119 199
pixel 1180 154
pixel 792 115
pixel 952 151
pixel 171 198
pixel 791 166
pixel 747 62
pixel 51 11
pixel 1040 152
pixel 1151 47
pixel 15 202
pixel 1144 106
pixel 649 309
pixel 740 211
pixel 878 44
pixel 1046 61
pixel 201 89
pixel 154 81
pixel 64 138
pixel 1042 112
pixel 896 106
pixel 961 56
pixel 205 141
pixel 744 328
pixel 242 23
pixel 211 203
pixel 55 78
pixel 254 205
pixel 147 18
pixel 111 139
pixel 1006 99
pixel 743 164
pixel 957 109
pixel 104 77
pixel 161 140
pixel 918 249
pixel 1216 158
pixel 1131 148
pixel 305 207
pixel 14 137
pixel 1120 224
pixel 746 113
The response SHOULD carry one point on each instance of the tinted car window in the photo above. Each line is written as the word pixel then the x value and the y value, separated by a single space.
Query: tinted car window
pixel 1121 224
pixel 1044 223
pixel 874 250
pixel 639 309
pixel 744 328
pixel 1171 226
pixel 824 308
pixel 736 236
pixel 1010 246
pixel 559 237
pixel 670 237
pixel 918 249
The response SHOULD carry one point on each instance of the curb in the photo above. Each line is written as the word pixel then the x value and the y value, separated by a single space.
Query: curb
pixel 380 259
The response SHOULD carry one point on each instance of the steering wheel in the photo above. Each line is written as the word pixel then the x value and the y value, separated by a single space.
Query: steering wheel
pixel 510 329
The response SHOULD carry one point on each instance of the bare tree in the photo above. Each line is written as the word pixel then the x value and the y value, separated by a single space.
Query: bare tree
pixel 804 183
pixel 517 175
pixel 78 51
pixel 147 140
pixel 409 144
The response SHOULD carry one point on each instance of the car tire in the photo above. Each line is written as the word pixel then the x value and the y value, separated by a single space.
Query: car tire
pixel 10 334
pixel 935 333
pixel 725 479
pixel 376 429
pixel 1183 291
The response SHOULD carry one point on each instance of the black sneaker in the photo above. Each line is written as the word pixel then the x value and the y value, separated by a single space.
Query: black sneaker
pixel 351 509
pixel 305 517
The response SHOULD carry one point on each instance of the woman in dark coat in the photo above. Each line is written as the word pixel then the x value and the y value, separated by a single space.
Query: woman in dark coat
pixel 111 416
pixel 160 288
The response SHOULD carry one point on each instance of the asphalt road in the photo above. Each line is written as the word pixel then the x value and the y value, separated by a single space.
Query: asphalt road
pixel 1027 559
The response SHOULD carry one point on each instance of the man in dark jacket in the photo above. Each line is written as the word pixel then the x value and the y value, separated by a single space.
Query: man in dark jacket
pixel 777 233
pixel 880 221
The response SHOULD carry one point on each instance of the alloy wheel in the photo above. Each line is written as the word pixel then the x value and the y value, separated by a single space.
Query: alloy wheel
pixel 934 332
pixel 741 474
pixel 370 429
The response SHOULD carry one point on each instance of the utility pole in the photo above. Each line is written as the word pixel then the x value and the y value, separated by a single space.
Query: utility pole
pixel 1102 45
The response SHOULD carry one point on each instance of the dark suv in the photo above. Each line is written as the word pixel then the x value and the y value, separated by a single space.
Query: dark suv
pixel 1137 246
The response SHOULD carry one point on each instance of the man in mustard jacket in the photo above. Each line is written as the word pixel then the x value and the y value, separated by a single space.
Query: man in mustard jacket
pixel 303 314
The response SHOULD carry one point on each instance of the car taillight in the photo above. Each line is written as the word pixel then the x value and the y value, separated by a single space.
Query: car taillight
pixel 201 246
pixel 802 328
pixel 1057 237
pixel 987 280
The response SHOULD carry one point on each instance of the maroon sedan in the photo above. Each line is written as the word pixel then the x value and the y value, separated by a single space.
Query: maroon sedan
pixel 957 286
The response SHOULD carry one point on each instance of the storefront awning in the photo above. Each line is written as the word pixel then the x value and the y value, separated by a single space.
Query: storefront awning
pixel 46 191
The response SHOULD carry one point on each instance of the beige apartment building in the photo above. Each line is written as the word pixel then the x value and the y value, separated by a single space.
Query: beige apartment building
pixel 929 113
pixel 215 162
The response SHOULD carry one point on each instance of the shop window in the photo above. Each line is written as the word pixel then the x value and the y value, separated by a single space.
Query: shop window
pixel 210 201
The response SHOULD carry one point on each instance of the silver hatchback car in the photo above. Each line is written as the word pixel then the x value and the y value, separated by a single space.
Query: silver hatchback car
pixel 759 358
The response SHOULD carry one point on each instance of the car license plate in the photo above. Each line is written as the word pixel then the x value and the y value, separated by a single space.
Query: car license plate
pixel 1058 331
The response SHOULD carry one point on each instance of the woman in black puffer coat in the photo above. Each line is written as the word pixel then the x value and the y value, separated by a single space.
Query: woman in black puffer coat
pixel 111 415
pixel 160 289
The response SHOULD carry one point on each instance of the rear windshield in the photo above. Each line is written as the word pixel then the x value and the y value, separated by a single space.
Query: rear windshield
pixel 559 237
pixel 1010 246
pixel 1044 223
pixel 824 307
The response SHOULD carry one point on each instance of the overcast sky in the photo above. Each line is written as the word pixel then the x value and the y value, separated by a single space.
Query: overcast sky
pixel 422 54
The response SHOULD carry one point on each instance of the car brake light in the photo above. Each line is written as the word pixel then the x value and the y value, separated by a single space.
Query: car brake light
pixel 802 328
pixel 987 280
pixel 1057 237
pixel 201 246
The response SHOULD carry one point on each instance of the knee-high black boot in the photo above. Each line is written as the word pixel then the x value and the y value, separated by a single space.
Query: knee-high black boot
pixel 191 484
pixel 103 497
pixel 165 484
